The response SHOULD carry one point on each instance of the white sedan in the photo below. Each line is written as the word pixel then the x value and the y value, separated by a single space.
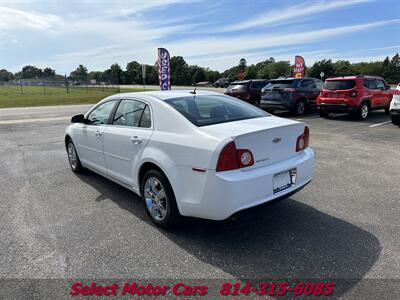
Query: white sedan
pixel 394 109
pixel 199 154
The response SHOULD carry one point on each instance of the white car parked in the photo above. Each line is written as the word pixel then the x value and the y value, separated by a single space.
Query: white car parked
pixel 394 109
pixel 199 154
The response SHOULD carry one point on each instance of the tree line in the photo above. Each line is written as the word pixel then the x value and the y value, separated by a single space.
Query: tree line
pixel 184 74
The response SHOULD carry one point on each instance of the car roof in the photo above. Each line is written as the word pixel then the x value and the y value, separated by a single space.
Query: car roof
pixel 165 95
pixel 248 80
pixel 353 77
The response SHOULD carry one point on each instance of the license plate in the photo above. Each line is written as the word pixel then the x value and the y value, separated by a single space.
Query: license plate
pixel 282 181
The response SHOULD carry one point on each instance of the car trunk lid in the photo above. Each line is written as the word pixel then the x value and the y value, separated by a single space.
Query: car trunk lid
pixel 270 139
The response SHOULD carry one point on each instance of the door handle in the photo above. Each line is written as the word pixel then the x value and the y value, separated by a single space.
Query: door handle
pixel 98 133
pixel 136 140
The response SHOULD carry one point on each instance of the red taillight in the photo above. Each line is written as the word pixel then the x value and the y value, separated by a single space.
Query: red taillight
pixel 232 158
pixel 245 158
pixel 396 92
pixel 303 140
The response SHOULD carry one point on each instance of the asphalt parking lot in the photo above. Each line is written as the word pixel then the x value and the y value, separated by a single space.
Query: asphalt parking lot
pixel 344 225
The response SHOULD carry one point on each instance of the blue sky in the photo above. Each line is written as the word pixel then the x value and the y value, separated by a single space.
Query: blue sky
pixel 214 34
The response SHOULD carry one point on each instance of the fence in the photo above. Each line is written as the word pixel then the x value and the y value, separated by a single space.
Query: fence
pixel 49 85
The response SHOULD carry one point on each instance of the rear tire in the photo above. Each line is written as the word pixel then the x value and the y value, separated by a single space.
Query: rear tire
pixel 159 199
pixel 363 111
pixel 395 121
pixel 300 108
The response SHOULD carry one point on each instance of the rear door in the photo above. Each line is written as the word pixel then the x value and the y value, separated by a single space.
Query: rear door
pixel 125 138
pixel 374 93
pixel 307 89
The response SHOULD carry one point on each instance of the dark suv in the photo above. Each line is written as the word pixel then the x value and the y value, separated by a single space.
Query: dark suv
pixel 294 94
pixel 247 90
pixel 357 95
pixel 222 82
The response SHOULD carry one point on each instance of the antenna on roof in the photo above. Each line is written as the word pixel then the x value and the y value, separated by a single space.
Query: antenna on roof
pixel 194 91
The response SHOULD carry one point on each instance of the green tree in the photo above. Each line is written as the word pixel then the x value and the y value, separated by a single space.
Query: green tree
pixel 49 73
pixel 116 72
pixel 6 75
pixel 242 64
pixel 197 74
pixel 179 71
pixel 80 73
pixel 278 69
pixel 134 72
pixel 343 68
pixel 31 72
pixel 251 72
pixel 96 75
pixel 325 66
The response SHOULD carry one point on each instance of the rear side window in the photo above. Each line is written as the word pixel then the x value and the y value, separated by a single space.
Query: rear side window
pixel 281 84
pixel 339 84
pixel 237 86
pixel 370 84
pixel 132 113
pixel 307 84
pixel 209 110
pixel 258 84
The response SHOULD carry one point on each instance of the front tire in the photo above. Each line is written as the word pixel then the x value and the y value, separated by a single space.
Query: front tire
pixel 73 158
pixel 395 121
pixel 159 199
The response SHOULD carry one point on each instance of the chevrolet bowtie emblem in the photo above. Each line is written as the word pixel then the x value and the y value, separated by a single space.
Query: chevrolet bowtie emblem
pixel 277 140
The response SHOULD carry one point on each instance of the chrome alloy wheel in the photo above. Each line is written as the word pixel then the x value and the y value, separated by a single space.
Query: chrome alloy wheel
pixel 364 111
pixel 72 157
pixel 156 199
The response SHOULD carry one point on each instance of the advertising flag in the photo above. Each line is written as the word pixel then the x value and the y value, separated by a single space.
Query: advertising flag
pixel 298 66
pixel 163 69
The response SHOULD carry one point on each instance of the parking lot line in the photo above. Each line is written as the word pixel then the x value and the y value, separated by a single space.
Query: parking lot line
pixel 379 124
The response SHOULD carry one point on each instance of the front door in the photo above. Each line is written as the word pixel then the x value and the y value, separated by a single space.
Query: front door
pixel 90 138
pixel 125 139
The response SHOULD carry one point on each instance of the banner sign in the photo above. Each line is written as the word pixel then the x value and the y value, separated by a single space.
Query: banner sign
pixel 298 66
pixel 163 69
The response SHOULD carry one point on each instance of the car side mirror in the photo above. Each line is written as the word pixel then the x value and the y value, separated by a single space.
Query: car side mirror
pixel 79 119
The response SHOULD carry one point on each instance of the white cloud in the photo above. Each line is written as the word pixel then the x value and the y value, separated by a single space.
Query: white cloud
pixel 216 45
pixel 19 19
pixel 292 13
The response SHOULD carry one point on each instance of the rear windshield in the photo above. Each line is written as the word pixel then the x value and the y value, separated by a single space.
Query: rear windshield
pixel 339 84
pixel 237 86
pixel 209 110
pixel 280 84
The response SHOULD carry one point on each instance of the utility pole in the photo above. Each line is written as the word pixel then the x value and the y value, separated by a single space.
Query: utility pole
pixel 66 83
pixel 144 76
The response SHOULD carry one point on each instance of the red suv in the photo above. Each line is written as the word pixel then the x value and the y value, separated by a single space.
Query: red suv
pixel 357 95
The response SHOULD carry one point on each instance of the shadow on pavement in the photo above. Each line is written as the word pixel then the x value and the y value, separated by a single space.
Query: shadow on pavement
pixel 283 240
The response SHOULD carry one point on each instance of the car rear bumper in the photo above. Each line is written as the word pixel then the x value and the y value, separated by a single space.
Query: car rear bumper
pixel 218 195
pixel 394 113
pixel 271 104
pixel 337 107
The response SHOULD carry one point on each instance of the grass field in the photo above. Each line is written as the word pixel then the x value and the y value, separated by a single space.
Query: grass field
pixel 36 96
